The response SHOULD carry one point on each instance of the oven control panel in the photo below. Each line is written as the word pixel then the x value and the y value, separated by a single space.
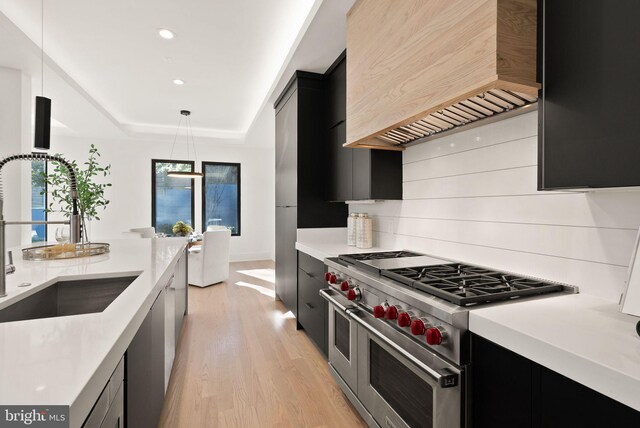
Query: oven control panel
pixel 423 327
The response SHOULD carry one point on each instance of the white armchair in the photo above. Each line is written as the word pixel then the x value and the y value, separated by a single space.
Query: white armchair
pixel 213 227
pixel 145 232
pixel 210 265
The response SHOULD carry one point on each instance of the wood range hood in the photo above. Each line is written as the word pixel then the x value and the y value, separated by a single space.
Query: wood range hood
pixel 416 68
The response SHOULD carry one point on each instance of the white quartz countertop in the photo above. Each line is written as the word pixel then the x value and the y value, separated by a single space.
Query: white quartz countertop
pixel 582 337
pixel 68 360
pixel 329 242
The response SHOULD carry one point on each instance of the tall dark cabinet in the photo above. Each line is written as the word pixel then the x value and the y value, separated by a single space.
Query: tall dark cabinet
pixel 301 154
pixel 355 174
pixel 588 124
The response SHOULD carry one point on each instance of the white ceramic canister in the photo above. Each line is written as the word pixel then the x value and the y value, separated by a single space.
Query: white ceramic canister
pixel 351 229
pixel 364 231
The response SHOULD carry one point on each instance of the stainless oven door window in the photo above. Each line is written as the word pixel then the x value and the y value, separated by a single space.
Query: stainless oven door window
pixel 397 393
pixel 342 346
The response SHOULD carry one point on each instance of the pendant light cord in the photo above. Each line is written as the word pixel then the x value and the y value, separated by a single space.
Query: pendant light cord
pixel 187 126
pixel 193 142
pixel 189 131
pixel 175 138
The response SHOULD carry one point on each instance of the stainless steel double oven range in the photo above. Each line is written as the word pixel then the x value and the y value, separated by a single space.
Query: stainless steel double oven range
pixel 399 345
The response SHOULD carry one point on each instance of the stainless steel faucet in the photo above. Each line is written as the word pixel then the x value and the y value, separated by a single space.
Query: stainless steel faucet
pixel 73 222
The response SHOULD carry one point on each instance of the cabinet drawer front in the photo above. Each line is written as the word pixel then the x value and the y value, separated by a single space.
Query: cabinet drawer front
pixel 116 380
pixel 309 291
pixel 311 265
pixel 99 411
pixel 312 309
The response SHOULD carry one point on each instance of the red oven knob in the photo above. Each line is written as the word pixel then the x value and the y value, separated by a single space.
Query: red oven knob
pixel 378 311
pixel 327 276
pixel 354 294
pixel 345 285
pixel 404 320
pixel 434 336
pixel 392 313
pixel 333 278
pixel 417 327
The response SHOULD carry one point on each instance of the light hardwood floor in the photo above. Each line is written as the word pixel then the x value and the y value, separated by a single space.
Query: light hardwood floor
pixel 241 362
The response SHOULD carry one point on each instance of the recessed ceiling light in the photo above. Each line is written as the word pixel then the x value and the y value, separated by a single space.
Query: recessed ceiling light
pixel 166 34
pixel 178 82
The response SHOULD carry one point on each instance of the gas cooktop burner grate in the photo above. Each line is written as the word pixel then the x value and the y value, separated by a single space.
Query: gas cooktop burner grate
pixel 360 257
pixel 467 285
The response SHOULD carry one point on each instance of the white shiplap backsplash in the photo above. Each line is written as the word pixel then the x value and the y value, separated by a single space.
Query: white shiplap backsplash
pixel 473 197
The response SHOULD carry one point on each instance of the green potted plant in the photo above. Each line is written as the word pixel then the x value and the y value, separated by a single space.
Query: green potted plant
pixel 91 194
pixel 181 229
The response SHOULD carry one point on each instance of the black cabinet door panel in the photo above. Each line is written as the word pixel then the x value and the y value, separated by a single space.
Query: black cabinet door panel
pixel 312 309
pixel 589 128
pixel 340 165
pixel 311 265
pixel 564 403
pixel 508 390
pixel 145 369
pixel 361 174
pixel 337 88
pixel 286 258
pixel 501 388
pixel 287 152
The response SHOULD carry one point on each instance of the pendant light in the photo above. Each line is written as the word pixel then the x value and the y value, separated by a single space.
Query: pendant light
pixel 185 174
pixel 42 134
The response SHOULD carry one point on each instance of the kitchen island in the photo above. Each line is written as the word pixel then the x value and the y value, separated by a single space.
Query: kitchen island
pixel 68 360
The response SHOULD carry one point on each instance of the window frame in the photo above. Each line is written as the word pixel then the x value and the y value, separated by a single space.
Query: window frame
pixel 46 201
pixel 204 188
pixel 153 188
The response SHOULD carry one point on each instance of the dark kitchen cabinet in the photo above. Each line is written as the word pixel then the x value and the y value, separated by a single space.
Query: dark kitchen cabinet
pixel 108 411
pixel 301 154
pixel 115 416
pixel 287 153
pixel 508 390
pixel 355 174
pixel 336 77
pixel 145 369
pixel 501 390
pixel 286 262
pixel 340 181
pixel 588 126
pixel 312 309
pixel 181 286
pixel 377 174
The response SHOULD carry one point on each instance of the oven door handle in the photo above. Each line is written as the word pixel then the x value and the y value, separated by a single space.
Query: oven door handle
pixel 445 378
pixel 327 294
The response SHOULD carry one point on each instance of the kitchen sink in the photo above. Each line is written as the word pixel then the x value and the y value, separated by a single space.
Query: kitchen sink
pixel 64 298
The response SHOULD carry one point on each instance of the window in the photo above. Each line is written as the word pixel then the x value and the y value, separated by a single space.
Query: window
pixel 221 195
pixel 38 200
pixel 171 197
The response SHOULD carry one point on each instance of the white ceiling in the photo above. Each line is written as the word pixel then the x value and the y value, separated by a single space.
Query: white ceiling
pixel 231 54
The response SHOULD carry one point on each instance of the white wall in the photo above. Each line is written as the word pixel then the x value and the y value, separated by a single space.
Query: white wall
pixel 130 195
pixel 14 132
pixel 472 196
pixel 263 134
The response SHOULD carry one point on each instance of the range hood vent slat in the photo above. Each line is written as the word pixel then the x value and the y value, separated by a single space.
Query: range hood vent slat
pixel 467 111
